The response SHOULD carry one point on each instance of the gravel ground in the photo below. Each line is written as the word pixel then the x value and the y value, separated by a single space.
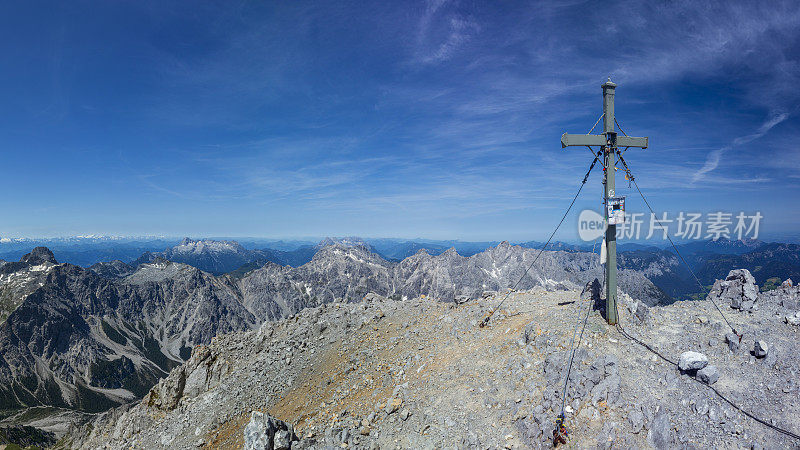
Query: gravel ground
pixel 422 374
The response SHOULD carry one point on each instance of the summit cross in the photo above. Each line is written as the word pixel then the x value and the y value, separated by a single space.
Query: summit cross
pixel 608 142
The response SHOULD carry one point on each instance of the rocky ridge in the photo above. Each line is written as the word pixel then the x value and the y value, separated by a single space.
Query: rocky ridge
pixel 19 279
pixel 220 257
pixel 418 374
pixel 212 256
pixel 89 341
pixel 86 342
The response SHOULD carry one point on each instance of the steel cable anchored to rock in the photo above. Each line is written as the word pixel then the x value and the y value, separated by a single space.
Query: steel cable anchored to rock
pixel 697 361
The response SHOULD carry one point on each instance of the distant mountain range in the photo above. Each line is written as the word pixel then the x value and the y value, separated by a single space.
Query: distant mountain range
pixel 218 257
pixel 91 338
pixel 709 259
pixel 86 251
pixel 764 261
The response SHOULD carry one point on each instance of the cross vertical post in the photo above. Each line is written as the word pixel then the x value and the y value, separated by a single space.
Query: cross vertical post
pixel 609 155
pixel 608 143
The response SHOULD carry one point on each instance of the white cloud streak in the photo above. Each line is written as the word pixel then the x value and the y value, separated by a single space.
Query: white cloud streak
pixel 715 156
pixel 441 32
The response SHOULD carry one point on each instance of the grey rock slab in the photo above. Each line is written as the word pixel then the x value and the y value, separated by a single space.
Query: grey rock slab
pixel 608 390
pixel 636 420
pixel 282 440
pixel 733 341
pixel 256 434
pixel 265 432
pixel 660 434
pixel 760 349
pixel 736 301
pixel 708 374
pixel 392 405
pixel 692 361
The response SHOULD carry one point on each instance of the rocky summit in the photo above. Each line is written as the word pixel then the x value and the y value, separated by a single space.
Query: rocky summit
pixel 209 255
pixel 411 373
pixel 19 279
pixel 353 350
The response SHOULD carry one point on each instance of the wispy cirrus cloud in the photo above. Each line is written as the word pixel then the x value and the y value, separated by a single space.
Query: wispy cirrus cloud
pixel 715 156
pixel 441 32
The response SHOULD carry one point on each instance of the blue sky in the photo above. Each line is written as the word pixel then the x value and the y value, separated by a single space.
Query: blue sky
pixel 399 119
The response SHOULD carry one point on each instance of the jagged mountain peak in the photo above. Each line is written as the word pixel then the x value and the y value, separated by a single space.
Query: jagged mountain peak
pixel 39 255
pixel 105 339
pixel 212 256
pixel 450 253
pixel 189 245
pixel 349 241
pixel 112 269
pixel 505 248
pixel 19 279
pixel 356 251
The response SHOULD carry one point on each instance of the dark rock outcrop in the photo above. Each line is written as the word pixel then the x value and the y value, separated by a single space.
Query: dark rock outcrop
pixel 40 255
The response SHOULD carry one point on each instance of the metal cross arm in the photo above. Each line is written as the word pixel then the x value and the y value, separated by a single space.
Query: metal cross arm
pixel 629 141
pixel 582 140
pixel 589 140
